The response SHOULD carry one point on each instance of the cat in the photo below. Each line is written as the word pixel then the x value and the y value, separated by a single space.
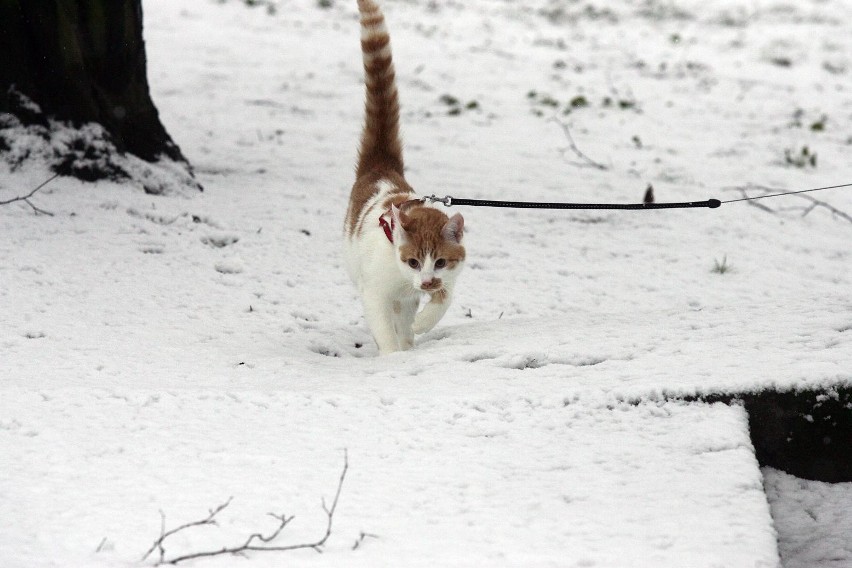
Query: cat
pixel 397 249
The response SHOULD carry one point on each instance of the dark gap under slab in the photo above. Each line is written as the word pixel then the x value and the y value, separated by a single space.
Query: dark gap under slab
pixel 800 436
pixel 805 433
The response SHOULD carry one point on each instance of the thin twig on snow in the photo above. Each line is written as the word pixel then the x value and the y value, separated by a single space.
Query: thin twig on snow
pixel 164 534
pixel 364 536
pixel 249 544
pixel 814 203
pixel 26 198
pixel 587 162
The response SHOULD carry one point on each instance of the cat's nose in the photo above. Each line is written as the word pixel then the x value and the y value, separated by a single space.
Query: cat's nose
pixel 432 284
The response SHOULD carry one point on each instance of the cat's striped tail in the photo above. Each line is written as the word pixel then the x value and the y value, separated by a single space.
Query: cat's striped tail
pixel 381 147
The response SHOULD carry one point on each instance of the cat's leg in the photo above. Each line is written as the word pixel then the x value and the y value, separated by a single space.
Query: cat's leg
pixel 405 311
pixel 433 311
pixel 380 320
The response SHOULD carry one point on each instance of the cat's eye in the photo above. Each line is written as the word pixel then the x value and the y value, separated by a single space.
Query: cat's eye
pixel 441 263
pixel 414 263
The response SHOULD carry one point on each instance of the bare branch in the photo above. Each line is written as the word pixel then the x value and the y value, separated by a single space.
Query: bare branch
pixel 814 203
pixel 362 538
pixel 809 209
pixel 586 161
pixel 282 519
pixel 249 544
pixel 817 203
pixel 26 198
pixel 744 192
pixel 164 534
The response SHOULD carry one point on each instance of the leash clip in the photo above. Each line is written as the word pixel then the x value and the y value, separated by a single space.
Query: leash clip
pixel 447 201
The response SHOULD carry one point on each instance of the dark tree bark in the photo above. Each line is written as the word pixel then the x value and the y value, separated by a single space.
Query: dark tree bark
pixel 81 61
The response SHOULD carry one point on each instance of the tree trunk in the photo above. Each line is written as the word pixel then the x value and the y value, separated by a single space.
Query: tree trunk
pixel 81 61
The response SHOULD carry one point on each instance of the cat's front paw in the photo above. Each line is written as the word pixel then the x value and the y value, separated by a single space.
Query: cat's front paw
pixel 431 314
pixel 423 323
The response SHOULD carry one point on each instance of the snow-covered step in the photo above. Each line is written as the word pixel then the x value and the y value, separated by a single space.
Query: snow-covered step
pixel 512 482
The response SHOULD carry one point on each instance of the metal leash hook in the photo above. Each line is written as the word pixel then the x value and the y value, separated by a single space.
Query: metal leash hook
pixel 447 201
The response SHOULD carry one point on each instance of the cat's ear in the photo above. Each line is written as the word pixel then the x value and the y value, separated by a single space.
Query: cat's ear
pixel 400 220
pixel 453 230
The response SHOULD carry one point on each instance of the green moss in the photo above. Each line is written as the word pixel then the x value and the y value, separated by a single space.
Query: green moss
pixel 802 159
pixel 819 125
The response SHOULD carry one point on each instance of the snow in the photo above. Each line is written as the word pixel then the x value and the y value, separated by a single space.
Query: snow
pixel 812 519
pixel 87 152
pixel 168 352
pixel 506 482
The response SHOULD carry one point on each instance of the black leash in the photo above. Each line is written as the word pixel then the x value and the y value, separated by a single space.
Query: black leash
pixel 449 201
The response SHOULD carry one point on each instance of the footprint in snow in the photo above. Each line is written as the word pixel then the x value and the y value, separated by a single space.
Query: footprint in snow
pixel 229 266
pixel 152 249
pixel 221 240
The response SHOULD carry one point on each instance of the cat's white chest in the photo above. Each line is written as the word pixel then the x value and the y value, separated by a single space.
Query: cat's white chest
pixel 370 259
pixel 369 252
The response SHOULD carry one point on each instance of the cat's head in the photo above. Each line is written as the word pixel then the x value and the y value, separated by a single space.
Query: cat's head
pixel 428 246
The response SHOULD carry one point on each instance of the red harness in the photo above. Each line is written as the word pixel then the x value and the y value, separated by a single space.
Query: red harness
pixel 387 227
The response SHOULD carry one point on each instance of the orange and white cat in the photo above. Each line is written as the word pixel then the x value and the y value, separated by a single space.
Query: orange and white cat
pixel 398 249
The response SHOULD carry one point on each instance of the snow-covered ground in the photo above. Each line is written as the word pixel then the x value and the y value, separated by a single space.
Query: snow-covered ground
pixel 166 353
pixel 812 519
